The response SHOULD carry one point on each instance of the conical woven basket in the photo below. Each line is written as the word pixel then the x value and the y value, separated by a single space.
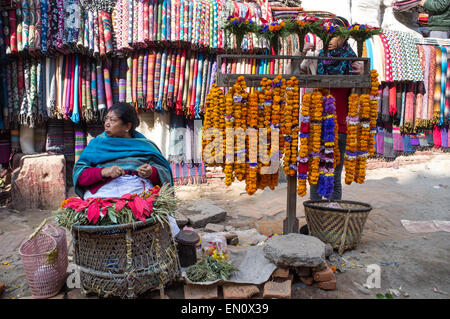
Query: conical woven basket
pixel 340 227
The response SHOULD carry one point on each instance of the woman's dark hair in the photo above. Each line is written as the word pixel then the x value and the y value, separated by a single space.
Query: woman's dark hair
pixel 340 21
pixel 126 113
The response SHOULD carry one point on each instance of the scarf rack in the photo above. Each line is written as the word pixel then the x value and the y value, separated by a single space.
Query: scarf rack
pixel 290 224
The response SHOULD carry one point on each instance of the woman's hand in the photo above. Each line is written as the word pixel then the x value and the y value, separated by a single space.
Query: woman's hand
pixel 144 171
pixel 357 67
pixel 308 46
pixel 112 172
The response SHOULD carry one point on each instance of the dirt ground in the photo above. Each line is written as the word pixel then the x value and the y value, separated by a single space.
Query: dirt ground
pixel 415 265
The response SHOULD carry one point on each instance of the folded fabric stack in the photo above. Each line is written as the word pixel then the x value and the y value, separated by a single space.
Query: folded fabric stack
pixel 405 5
pixel 286 13
pixel 423 19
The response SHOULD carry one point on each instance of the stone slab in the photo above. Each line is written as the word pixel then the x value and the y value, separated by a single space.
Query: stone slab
pixel 235 291
pixel 200 292
pixel 200 213
pixel 295 250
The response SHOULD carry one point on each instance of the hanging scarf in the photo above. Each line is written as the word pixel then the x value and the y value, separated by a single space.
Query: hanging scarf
pixel 100 91
pixel 177 79
pixel 156 78
pixel 437 87
pixel 409 107
pixel 140 84
pixel 392 99
pixel 107 85
pixel 443 83
pixel 89 99
pixel 134 62
pixel 144 79
pixel 198 88
pixel 122 80
pixel 187 85
pixel 129 91
pixel 115 79
pixel 431 84
pixel 150 79
pixel 75 114
pixel 171 87
pixel 94 92
pixel 182 83
pixel 107 31
pixel 447 92
pixel 162 81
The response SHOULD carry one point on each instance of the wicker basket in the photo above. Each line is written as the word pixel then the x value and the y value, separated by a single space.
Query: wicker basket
pixel 340 227
pixel 125 260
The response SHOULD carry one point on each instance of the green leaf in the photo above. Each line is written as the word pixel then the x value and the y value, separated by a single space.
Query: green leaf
pixel 112 216
pixel 380 296
pixel 389 296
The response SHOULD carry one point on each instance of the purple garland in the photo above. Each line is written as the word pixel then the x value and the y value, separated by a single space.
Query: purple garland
pixel 326 168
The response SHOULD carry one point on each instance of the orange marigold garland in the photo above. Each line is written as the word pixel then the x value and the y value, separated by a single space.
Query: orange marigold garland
pixel 374 97
pixel 252 122
pixel 229 145
pixel 303 159
pixel 352 138
pixel 363 138
pixel 315 136
pixel 295 127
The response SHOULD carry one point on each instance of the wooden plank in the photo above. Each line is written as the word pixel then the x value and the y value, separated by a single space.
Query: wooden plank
pixel 305 80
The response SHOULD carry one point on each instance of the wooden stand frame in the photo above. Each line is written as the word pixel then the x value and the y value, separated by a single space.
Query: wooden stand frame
pixel 290 224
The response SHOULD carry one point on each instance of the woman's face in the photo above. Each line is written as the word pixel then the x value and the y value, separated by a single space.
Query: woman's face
pixel 335 43
pixel 114 127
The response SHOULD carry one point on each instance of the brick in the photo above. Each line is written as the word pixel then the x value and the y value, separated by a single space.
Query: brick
pixel 2 287
pixel 239 291
pixel 200 292
pixel 303 271
pixel 281 273
pixel 324 275
pixel 279 290
pixel 307 280
pixel 328 285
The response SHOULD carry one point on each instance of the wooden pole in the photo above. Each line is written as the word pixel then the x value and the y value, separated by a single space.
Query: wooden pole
pixel 290 224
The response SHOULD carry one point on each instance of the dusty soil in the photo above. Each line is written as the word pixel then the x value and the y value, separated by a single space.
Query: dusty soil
pixel 417 265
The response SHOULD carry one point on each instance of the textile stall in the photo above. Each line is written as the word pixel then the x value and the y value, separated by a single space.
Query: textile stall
pixel 413 110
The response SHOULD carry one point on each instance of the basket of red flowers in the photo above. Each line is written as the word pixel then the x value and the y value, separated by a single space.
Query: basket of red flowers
pixel 123 246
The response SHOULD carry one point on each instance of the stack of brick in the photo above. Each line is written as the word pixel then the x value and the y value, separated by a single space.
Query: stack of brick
pixel 325 277
pixel 279 286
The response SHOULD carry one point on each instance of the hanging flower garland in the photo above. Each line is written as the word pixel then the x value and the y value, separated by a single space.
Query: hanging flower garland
pixel 295 127
pixel 363 138
pixel 326 168
pixel 315 136
pixel 207 124
pixel 239 103
pixel 374 97
pixel 252 175
pixel 361 32
pixel 352 136
pixel 303 158
pixel 229 143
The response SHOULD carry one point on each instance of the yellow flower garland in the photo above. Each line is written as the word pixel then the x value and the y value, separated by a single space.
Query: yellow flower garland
pixel 315 135
pixel 304 145
pixel 352 138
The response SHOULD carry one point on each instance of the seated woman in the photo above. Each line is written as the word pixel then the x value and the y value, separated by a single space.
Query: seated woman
pixel 121 160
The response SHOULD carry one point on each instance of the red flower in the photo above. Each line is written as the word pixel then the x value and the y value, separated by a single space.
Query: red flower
pixel 120 204
pixel 93 212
